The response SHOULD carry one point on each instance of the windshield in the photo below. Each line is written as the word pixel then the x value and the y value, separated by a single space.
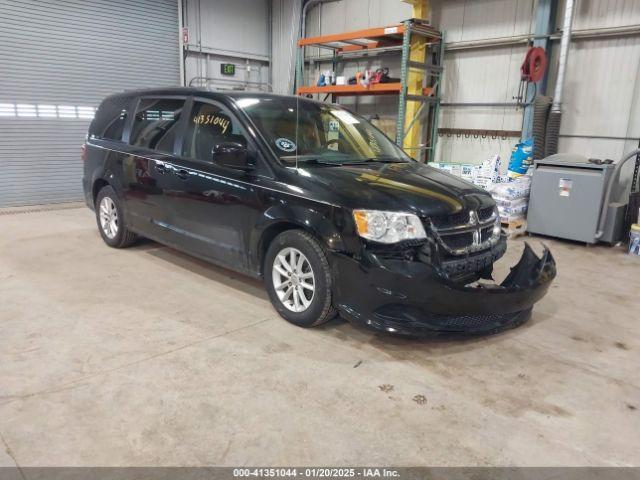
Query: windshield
pixel 318 133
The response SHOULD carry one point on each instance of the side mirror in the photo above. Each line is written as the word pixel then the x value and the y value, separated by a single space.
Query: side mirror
pixel 232 155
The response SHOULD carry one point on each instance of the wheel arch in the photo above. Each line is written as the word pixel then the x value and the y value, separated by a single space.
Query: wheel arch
pixel 108 179
pixel 269 233
pixel 319 224
pixel 98 185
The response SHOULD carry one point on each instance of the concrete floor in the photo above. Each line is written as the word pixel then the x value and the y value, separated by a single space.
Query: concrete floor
pixel 146 356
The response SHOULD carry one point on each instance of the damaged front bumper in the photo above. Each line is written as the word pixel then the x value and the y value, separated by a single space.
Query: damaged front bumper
pixel 416 298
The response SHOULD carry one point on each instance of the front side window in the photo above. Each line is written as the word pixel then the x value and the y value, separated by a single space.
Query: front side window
pixel 209 125
pixel 300 130
pixel 156 123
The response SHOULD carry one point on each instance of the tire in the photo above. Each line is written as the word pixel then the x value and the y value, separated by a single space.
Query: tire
pixel 110 219
pixel 316 308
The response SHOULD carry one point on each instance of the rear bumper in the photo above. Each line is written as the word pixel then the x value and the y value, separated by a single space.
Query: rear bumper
pixel 413 298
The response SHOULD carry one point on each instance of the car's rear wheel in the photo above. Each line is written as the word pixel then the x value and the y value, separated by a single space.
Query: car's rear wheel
pixel 298 279
pixel 110 220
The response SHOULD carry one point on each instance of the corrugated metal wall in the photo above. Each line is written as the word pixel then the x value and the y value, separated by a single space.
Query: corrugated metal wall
pixel 487 75
pixel 356 14
pixel 602 96
pixel 601 108
pixel 228 31
pixel 284 34
pixel 59 59
pixel 602 92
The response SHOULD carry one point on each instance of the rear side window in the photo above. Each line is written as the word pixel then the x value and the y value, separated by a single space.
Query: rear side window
pixel 110 119
pixel 156 123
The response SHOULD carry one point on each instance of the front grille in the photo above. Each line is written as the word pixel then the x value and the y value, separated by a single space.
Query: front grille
pixel 464 232
pixel 448 221
pixel 459 240
pixel 485 213
pixel 486 233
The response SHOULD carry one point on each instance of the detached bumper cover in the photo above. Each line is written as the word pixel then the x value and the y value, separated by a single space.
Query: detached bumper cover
pixel 414 298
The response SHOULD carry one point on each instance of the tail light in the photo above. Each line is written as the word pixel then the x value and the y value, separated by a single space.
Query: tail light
pixel 83 152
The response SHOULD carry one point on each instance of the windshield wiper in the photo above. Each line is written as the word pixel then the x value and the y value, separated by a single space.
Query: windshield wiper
pixel 317 161
pixel 338 163
pixel 374 160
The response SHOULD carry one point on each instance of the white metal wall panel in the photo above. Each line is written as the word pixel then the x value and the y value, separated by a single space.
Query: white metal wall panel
pixel 228 31
pixel 68 54
pixel 240 26
pixel 602 85
pixel 466 20
pixel 486 75
pixel 599 87
pixel 358 14
pixel 204 71
pixel 602 99
pixel 284 34
pixel 481 75
pixel 602 13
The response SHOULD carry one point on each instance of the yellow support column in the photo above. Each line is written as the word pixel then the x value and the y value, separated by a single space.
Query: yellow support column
pixel 417 52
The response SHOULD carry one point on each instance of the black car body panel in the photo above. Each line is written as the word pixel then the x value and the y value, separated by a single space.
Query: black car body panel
pixel 411 297
pixel 229 215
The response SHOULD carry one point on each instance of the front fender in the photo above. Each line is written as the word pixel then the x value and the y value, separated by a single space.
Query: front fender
pixel 326 222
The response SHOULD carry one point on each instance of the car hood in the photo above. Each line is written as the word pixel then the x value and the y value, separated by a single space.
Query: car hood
pixel 411 186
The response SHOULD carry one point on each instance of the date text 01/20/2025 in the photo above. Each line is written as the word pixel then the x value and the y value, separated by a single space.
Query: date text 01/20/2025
pixel 316 472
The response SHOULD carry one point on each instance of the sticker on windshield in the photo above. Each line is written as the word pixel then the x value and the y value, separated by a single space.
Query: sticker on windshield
pixel 285 145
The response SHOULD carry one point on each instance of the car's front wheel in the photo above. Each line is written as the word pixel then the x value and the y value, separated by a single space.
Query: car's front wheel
pixel 110 220
pixel 298 279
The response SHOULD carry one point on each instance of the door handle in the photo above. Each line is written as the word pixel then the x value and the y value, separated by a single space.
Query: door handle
pixel 161 168
pixel 182 174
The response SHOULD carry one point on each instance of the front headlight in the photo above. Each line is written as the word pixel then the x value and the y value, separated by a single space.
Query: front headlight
pixel 388 227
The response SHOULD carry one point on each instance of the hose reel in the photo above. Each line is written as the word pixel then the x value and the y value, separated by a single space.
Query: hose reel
pixel 532 70
pixel 534 65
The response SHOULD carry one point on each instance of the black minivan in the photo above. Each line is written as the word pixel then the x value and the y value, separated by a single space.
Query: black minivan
pixel 313 199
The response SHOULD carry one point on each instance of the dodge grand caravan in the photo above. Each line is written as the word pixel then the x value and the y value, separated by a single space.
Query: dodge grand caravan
pixel 313 199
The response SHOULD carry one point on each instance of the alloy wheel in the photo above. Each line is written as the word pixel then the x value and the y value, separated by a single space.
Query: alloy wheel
pixel 108 217
pixel 293 279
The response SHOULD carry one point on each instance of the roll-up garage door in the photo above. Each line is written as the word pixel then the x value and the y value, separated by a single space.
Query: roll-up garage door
pixel 58 60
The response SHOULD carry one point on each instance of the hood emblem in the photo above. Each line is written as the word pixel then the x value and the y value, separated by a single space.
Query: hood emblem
pixel 475 221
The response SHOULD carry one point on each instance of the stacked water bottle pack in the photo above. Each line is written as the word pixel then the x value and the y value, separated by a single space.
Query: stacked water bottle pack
pixel 512 198
pixel 483 175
